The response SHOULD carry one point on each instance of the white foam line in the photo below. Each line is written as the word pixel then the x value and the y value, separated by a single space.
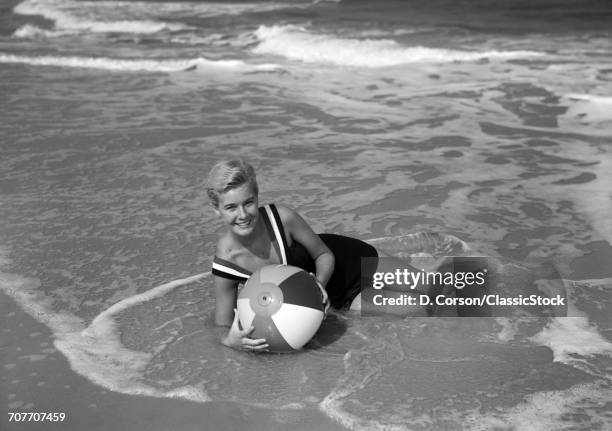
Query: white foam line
pixel 332 407
pixel 136 65
pixel 24 291
pixel 547 410
pixel 70 11
pixel 297 43
pixel 95 352
pixel 101 340
pixel 349 384
pixel 445 238
pixel 143 297
pixel 595 282
pixel 607 100
pixel 572 335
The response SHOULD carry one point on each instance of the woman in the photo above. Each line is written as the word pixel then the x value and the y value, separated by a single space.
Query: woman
pixel 259 236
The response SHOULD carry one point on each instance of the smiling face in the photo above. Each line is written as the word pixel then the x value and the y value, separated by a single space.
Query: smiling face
pixel 239 209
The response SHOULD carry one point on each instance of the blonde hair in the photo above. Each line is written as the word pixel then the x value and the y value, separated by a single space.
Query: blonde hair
pixel 227 175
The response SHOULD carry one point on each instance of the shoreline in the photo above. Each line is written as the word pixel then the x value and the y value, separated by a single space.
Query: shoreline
pixel 38 378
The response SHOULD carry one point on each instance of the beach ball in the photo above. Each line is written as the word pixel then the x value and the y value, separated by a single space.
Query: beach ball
pixel 284 304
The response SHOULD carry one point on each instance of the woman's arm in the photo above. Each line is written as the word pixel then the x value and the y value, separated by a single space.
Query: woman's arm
pixel 225 300
pixel 303 233
pixel 226 315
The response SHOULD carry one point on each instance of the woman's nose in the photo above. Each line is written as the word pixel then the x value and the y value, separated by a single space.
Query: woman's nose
pixel 241 211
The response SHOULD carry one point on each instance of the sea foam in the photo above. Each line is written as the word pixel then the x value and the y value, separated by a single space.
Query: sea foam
pixel 135 17
pixel 136 65
pixel 573 337
pixel 30 31
pixel 95 352
pixel 548 410
pixel 568 336
pixel 589 108
pixel 297 43
pixel 91 17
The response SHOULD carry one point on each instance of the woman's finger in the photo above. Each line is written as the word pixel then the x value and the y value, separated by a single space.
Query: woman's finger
pixel 258 348
pixel 323 291
pixel 253 341
pixel 251 344
pixel 236 325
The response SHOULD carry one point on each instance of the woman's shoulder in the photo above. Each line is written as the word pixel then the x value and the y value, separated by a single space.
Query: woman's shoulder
pixel 226 248
pixel 286 213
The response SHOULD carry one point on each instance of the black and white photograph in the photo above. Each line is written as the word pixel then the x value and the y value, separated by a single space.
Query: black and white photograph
pixel 329 215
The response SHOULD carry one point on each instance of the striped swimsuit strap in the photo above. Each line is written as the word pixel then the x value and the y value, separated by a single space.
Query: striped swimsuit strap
pixel 269 214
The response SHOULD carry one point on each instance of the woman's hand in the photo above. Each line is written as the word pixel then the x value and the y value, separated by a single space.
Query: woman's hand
pixel 323 293
pixel 238 338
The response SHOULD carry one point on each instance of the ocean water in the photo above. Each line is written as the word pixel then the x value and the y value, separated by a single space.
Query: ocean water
pixel 488 123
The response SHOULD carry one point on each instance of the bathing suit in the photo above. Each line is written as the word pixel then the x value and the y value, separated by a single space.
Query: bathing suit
pixel 345 282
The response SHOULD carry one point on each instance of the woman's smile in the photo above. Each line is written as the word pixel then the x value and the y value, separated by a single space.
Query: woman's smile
pixel 244 224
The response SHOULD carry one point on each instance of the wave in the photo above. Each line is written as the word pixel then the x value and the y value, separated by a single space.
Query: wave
pixel 133 17
pixel 590 110
pixel 30 31
pixel 296 43
pixel 601 100
pixel 102 17
pixel 131 65
pixel 33 32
